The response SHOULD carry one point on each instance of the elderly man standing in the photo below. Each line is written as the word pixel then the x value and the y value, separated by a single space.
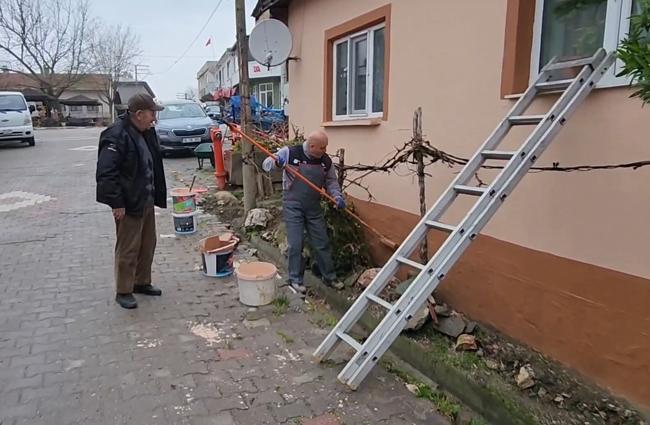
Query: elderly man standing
pixel 131 180
pixel 301 205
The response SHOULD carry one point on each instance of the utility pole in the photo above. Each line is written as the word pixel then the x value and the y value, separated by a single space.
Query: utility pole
pixel 143 69
pixel 250 181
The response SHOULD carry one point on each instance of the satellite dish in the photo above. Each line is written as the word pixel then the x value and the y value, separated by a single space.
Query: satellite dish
pixel 270 42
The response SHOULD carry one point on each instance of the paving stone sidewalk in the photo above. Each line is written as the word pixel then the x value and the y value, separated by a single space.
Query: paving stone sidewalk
pixel 196 355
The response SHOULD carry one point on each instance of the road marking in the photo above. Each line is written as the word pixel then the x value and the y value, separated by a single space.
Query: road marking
pixel 84 148
pixel 21 199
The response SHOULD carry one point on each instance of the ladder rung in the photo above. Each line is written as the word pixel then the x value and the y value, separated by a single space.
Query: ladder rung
pixel 498 154
pixel 554 85
pixel 570 64
pixel 469 190
pixel 411 263
pixel 440 226
pixel 348 340
pixel 525 119
pixel 379 301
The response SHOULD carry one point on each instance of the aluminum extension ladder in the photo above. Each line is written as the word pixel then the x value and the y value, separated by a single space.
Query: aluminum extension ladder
pixel 488 199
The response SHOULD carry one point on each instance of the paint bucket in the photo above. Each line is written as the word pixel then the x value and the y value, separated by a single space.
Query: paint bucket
pixel 185 223
pixel 256 283
pixel 183 201
pixel 199 192
pixel 217 254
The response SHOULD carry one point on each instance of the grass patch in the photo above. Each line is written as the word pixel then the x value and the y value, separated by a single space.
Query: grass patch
pixel 443 404
pixel 441 349
pixel 475 421
pixel 329 320
pixel 324 320
pixel 328 363
pixel 286 338
pixel 280 305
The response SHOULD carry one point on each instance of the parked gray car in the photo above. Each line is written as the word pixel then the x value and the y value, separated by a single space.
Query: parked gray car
pixel 182 126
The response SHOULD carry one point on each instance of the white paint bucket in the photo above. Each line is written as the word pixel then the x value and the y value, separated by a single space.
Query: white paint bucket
pixel 185 224
pixel 256 283
pixel 217 254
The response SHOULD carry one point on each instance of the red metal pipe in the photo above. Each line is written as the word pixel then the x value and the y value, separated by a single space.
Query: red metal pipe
pixel 217 150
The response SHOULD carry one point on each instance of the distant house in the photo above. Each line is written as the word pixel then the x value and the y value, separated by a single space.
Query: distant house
pixel 207 78
pixel 221 79
pixel 82 103
pixel 125 89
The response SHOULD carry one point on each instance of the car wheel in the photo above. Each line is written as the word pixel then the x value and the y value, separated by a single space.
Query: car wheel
pixel 30 141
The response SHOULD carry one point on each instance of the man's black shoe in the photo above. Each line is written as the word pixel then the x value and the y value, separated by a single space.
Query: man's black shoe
pixel 147 290
pixel 126 300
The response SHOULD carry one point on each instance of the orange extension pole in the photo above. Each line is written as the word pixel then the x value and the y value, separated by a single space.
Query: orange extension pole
pixel 386 241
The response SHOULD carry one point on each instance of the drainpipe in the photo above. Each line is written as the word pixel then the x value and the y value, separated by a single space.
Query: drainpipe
pixel 217 149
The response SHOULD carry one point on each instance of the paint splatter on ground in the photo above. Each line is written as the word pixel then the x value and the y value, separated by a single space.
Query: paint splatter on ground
pixel 212 333
pixel 148 343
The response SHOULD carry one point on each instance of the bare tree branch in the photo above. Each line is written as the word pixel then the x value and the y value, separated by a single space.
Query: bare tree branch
pixel 48 40
pixel 191 94
pixel 113 52
pixel 406 155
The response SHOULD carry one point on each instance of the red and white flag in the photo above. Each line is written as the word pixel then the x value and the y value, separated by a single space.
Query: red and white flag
pixel 207 43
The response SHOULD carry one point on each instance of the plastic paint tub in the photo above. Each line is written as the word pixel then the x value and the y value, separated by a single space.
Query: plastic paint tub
pixel 256 283
pixel 185 223
pixel 217 254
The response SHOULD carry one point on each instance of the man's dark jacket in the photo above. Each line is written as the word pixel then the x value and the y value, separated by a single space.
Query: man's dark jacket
pixel 121 171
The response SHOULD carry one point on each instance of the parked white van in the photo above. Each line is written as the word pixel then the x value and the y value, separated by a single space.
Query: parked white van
pixel 15 118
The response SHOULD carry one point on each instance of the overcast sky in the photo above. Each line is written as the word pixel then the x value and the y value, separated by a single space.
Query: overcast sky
pixel 166 29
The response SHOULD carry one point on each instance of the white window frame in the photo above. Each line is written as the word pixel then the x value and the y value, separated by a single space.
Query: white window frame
pixel 617 26
pixel 370 34
pixel 262 89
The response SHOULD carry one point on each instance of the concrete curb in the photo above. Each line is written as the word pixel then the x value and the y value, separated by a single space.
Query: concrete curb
pixel 493 406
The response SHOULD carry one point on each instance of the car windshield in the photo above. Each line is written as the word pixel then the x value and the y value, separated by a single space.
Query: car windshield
pixel 181 110
pixel 12 102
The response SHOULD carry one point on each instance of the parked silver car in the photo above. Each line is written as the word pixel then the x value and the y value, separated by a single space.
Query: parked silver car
pixel 182 126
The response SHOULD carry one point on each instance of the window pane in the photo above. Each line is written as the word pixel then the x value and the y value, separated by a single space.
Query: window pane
pixel 266 94
pixel 572 29
pixel 637 9
pixel 342 79
pixel 378 71
pixel 360 60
